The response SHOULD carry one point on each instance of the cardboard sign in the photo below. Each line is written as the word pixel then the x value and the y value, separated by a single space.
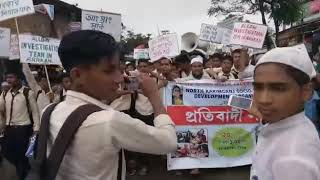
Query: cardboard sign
pixel 211 33
pixel 249 35
pixel 4 42
pixel 46 9
pixel 14 47
pixel 39 50
pixel 15 8
pixel 101 21
pixel 163 46
pixel 226 37
pixel 141 54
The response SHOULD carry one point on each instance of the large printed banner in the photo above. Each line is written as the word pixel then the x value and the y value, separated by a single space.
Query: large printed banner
pixel 210 133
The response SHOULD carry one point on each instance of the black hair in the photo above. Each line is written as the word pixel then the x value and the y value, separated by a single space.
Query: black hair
pixel 86 47
pixel 15 68
pixel 143 61
pixel 183 58
pixel 216 55
pixel 300 77
pixel 227 57
pixel 236 51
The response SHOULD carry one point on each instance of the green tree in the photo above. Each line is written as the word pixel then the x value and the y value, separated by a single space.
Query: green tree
pixel 130 40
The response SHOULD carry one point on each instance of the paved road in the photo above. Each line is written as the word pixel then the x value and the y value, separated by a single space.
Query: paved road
pixel 158 172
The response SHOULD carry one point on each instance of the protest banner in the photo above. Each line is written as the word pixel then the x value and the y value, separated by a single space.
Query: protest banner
pixel 109 23
pixel 15 8
pixel 4 42
pixel 229 22
pixel 39 50
pixel 211 33
pixel 249 35
pixel 210 133
pixel 163 46
pixel 141 54
pixel 226 37
pixel 14 47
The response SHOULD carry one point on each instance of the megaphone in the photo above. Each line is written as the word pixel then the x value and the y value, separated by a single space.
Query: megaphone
pixel 189 42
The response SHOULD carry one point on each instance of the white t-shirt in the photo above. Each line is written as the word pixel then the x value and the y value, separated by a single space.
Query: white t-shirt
pixel 287 150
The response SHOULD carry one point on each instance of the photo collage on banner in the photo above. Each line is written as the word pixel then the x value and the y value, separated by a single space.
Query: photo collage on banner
pixel 210 133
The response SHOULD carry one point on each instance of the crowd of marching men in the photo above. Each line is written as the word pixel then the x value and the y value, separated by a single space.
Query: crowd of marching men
pixel 23 119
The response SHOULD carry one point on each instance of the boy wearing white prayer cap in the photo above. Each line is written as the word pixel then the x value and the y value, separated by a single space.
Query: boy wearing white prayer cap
pixel 197 72
pixel 288 145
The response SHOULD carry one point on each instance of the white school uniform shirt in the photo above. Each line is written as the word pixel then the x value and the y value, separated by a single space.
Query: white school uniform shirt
pixel 43 99
pixel 20 115
pixel 287 150
pixel 93 153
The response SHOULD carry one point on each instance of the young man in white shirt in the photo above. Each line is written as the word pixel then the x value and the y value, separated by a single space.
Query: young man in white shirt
pixel 288 145
pixel 92 59
pixel 21 120
pixel 41 88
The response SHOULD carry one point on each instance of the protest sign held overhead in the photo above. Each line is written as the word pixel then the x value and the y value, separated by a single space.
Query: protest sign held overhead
pixel 39 50
pixel 141 54
pixel 4 42
pixel 15 8
pixel 249 35
pixel 14 47
pixel 109 23
pixel 163 46
pixel 211 33
pixel 215 134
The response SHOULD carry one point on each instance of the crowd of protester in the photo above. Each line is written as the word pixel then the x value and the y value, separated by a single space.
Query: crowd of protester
pixel 23 119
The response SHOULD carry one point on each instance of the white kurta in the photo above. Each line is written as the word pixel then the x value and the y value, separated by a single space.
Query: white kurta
pixel 287 150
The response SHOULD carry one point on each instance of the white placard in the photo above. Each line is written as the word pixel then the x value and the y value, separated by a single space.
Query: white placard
pixel 163 46
pixel 211 33
pixel 14 47
pixel 141 54
pixel 39 50
pixel 4 42
pixel 247 34
pixel 106 22
pixel 15 8
pixel 226 37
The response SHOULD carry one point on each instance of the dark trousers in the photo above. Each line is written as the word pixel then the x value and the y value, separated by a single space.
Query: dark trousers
pixel 15 145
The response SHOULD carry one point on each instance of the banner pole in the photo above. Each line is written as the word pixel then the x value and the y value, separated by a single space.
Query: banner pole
pixel 46 70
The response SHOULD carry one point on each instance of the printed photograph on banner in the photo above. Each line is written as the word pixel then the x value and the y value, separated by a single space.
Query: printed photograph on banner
pixel 10 9
pixel 109 23
pixel 177 95
pixel 192 143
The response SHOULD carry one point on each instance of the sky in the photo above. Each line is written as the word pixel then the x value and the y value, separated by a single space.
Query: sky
pixel 147 16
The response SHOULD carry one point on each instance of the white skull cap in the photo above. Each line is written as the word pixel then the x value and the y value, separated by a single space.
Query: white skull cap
pixel 296 57
pixel 197 59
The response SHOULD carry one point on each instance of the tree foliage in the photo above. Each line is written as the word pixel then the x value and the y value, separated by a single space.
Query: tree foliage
pixel 130 40
pixel 281 11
